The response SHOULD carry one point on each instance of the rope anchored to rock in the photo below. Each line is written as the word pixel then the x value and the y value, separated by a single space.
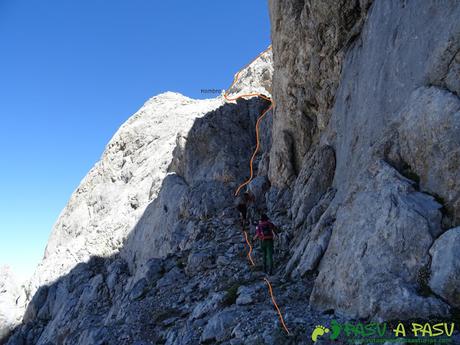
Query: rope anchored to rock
pixel 259 119
pixel 250 247
pixel 276 305
pixel 251 171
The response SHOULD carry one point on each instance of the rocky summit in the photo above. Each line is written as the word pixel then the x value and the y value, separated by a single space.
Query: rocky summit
pixel 358 167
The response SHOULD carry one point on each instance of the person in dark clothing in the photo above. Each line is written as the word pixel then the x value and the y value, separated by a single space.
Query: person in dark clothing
pixel 242 204
pixel 266 232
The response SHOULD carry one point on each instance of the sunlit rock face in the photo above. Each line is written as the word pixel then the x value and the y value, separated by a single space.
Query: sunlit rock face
pixel 114 194
pixel 12 301
pixel 372 83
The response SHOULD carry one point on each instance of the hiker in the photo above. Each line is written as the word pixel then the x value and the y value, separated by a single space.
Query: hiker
pixel 257 188
pixel 266 231
pixel 242 204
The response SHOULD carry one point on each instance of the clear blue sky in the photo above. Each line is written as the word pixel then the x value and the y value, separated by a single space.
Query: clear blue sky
pixel 71 72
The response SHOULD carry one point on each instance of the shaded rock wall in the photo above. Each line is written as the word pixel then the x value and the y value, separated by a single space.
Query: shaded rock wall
pixel 208 165
pixel 309 41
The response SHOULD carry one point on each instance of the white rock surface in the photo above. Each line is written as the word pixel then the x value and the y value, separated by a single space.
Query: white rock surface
pixel 372 80
pixel 114 194
pixel 12 299
pixel 255 78
pixel 386 243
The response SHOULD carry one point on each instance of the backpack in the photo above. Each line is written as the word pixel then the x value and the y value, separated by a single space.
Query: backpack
pixel 266 230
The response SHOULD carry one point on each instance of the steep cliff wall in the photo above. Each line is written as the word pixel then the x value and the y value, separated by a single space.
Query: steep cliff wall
pixel 368 112
pixel 310 39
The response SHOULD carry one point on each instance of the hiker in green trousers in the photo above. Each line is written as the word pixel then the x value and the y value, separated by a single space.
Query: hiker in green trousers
pixel 266 232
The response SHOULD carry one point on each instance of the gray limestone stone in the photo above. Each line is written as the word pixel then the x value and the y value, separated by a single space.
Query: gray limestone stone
pixel 445 266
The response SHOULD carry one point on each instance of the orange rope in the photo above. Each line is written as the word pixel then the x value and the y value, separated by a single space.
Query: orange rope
pixel 250 248
pixel 235 80
pixel 276 306
pixel 237 76
pixel 251 162
pixel 251 170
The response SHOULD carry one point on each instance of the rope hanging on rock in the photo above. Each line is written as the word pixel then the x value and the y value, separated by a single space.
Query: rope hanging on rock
pixel 251 171
pixel 259 119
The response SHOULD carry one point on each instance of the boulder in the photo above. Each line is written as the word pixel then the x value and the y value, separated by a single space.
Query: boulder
pixel 219 326
pixel 430 140
pixel 139 290
pixel 199 262
pixel 245 296
pixel 155 269
pixel 174 276
pixel 385 226
pixel 445 267
pixel 210 304
pixel 248 294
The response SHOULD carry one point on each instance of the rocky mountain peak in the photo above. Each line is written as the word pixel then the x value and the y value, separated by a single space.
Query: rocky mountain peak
pixel 358 169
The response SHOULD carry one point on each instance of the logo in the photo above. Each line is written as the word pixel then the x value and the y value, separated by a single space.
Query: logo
pixel 378 333
pixel 318 332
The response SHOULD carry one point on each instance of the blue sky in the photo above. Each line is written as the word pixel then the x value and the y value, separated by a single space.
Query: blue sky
pixel 71 72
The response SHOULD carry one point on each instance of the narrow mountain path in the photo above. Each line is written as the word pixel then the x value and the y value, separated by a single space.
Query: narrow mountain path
pixel 251 170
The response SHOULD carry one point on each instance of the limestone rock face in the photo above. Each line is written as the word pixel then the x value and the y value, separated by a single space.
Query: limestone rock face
pixel 256 78
pixel 12 300
pixel 374 82
pixel 400 49
pixel 379 243
pixel 115 193
pixel 152 286
pixel 430 144
pixel 309 42
pixel 445 268
pixel 313 182
pixel 207 167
